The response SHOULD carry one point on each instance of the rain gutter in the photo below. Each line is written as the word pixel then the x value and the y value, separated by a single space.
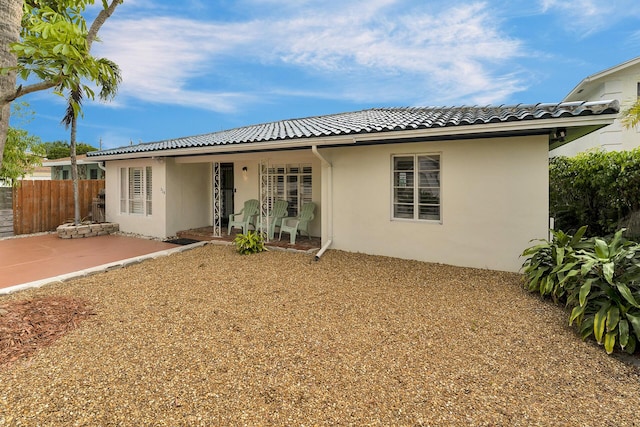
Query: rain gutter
pixel 329 201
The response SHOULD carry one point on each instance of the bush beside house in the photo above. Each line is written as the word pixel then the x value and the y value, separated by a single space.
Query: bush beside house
pixel 596 188
pixel 597 279
pixel 595 193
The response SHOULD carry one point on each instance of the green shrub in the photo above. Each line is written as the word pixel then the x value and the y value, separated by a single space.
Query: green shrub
pixel 249 243
pixel 551 265
pixel 598 279
pixel 606 304
pixel 595 188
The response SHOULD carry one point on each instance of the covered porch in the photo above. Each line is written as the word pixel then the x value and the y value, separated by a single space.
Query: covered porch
pixel 303 243
pixel 204 191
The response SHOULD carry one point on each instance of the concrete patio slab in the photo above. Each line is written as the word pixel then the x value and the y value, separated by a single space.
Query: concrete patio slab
pixel 34 260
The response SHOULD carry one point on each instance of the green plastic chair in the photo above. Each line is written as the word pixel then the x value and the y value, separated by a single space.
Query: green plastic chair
pixel 278 211
pixel 298 224
pixel 249 212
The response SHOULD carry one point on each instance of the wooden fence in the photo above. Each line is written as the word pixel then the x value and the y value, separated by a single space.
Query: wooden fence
pixel 44 205
pixel 6 212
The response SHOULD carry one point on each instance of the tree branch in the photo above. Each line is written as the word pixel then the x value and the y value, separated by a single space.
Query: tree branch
pixel 91 36
pixel 24 90
pixel 99 21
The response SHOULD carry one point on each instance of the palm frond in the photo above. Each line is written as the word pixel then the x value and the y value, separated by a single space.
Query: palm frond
pixel 108 79
pixel 631 116
pixel 74 105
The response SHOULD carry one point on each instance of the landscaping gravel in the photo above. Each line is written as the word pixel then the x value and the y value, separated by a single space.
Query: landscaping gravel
pixel 213 338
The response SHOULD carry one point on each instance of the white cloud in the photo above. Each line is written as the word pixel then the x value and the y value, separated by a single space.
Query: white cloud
pixel 369 51
pixel 586 17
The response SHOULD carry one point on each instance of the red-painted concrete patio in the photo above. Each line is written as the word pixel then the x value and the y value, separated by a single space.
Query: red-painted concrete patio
pixel 33 258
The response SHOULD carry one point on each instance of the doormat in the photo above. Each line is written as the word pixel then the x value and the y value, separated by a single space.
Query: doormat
pixel 182 241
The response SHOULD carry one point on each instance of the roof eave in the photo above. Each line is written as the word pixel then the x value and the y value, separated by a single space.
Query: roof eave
pixel 68 163
pixel 591 122
pixel 597 76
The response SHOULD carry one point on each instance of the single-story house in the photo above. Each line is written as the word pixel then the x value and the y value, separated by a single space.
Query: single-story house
pixel 466 186
pixel 87 168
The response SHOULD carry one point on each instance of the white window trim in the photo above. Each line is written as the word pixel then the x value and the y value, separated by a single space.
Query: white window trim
pixel 145 199
pixel 415 187
pixel 305 170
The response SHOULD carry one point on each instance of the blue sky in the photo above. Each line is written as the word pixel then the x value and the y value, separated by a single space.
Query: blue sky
pixel 199 66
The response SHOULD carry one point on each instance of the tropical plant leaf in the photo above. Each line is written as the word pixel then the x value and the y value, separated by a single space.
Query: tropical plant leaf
pixel 559 255
pixel 599 322
pixel 578 236
pixel 569 275
pixel 534 249
pixel 616 242
pixel 608 269
pixel 576 313
pixel 534 282
pixel 623 332
pixel 610 341
pixel 586 328
pixel 548 285
pixel 613 317
pixel 584 291
pixel 631 345
pixel 602 249
pixel 635 323
pixel 626 294
pixel 587 266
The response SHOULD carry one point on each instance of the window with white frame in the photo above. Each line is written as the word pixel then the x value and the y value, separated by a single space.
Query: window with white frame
pixel 292 183
pixel 136 190
pixel 416 187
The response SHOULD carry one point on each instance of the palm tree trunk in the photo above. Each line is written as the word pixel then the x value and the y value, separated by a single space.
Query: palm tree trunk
pixel 74 170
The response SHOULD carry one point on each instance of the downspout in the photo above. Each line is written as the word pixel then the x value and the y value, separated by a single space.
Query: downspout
pixel 329 209
pixel 104 169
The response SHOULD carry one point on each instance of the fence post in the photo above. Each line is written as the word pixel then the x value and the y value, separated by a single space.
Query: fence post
pixel 6 212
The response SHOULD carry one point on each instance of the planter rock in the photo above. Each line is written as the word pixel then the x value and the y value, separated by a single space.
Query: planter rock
pixel 70 231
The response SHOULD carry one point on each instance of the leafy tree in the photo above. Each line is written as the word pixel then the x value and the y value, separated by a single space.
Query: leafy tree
pixel 56 149
pixel 22 152
pixel 61 149
pixel 82 148
pixel 107 78
pixel 47 41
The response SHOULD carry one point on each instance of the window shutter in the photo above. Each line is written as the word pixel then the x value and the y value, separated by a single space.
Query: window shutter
pixel 135 191
pixel 148 189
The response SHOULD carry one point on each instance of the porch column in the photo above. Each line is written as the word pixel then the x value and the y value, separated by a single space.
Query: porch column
pixel 217 200
pixel 266 198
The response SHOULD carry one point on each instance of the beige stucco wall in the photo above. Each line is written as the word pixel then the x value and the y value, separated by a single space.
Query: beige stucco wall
pixel 154 225
pixel 188 195
pixel 494 201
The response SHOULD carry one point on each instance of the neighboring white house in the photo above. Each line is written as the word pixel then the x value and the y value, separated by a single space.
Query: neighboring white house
pixel 621 82
pixel 465 186
pixel 39 173
pixel 61 168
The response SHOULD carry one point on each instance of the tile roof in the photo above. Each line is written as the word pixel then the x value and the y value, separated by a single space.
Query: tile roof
pixel 376 120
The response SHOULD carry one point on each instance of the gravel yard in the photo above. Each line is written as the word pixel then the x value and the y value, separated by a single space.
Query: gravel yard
pixel 210 337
